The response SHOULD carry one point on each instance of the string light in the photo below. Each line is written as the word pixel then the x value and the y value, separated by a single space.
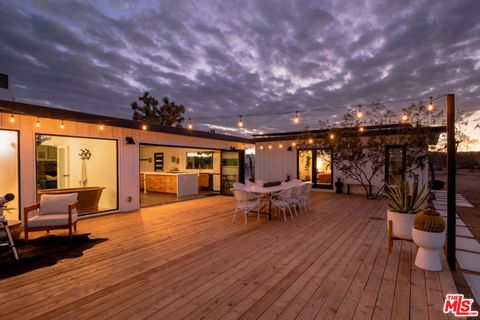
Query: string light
pixel 62 126
pixel 297 118
pixel 240 122
pixel 144 127
pixel 332 136
pixel 270 146
pixel 190 126
pixel 37 124
pixel 12 118
pixel 293 144
pixel 361 129
pixel 101 127
pixel 280 146
pixel 404 117
pixel 261 147
pixel 359 113
pixel 430 105
pixel 310 140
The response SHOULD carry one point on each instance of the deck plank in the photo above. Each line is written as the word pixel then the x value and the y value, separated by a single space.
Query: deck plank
pixel 187 261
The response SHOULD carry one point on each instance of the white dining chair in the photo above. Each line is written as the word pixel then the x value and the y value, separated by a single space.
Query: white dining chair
pixel 246 202
pixel 238 185
pixel 281 201
pixel 305 196
pixel 297 199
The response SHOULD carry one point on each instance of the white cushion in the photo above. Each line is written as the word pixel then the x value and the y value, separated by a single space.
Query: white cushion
pixel 50 220
pixel 56 203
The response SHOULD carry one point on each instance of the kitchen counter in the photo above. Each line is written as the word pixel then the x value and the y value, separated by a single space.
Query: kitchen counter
pixel 179 183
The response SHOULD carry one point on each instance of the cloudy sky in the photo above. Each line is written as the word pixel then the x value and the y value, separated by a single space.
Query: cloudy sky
pixel 225 58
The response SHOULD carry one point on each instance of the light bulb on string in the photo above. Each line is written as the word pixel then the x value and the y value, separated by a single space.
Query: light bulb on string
pixel 190 126
pixel 404 117
pixel 240 122
pixel 270 147
pixel 12 118
pixel 144 127
pixel 261 147
pixel 296 119
pixel 332 136
pixel 62 126
pixel 361 129
pixel 359 112
pixel 430 105
pixel 37 124
pixel 310 140
pixel 280 146
pixel 101 127
pixel 293 144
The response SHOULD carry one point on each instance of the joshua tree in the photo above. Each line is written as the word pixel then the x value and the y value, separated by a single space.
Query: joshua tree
pixel 169 114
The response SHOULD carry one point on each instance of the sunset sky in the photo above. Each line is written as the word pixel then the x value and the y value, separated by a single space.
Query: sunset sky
pixel 225 58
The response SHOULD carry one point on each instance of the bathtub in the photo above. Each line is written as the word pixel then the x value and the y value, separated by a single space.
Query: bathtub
pixel 88 197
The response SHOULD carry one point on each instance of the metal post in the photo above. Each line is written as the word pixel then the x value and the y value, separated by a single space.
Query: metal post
pixel 451 188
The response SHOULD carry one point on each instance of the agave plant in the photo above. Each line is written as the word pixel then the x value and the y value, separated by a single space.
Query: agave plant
pixel 405 198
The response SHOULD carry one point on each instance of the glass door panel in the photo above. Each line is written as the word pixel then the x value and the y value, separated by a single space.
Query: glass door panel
pixel 305 167
pixel 395 164
pixel 323 167
pixel 232 169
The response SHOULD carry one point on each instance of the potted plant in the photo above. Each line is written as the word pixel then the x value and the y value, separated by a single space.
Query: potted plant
pixel 429 235
pixel 339 185
pixel 308 161
pixel 404 202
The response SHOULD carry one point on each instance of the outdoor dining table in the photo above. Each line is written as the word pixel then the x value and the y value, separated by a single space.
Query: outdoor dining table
pixel 268 192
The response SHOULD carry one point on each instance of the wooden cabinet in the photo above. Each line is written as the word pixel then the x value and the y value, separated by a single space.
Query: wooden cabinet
pixel 161 183
pixel 155 183
pixel 171 184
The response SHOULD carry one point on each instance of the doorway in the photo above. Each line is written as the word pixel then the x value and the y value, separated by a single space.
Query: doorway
pixel 233 169
pixel 395 164
pixel 315 166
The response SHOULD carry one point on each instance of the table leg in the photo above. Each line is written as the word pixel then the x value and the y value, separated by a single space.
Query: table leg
pixel 269 208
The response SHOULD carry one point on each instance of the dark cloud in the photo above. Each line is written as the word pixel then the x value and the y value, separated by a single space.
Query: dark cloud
pixel 228 58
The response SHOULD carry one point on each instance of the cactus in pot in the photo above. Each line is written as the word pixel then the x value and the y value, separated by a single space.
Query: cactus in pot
pixel 404 201
pixel 429 220
pixel 429 235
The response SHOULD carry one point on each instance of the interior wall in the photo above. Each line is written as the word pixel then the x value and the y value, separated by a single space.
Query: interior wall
pixel 101 168
pixel 9 170
pixel 148 151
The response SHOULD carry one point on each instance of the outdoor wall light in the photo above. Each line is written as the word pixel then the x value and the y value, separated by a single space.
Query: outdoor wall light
pixel 129 140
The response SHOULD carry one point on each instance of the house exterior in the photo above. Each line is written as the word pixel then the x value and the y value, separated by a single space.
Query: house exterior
pixel 310 156
pixel 114 162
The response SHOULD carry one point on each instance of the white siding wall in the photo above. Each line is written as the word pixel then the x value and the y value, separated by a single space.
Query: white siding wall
pixel 128 162
pixel 274 164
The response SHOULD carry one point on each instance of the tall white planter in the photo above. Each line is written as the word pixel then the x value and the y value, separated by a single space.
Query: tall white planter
pixel 402 224
pixel 429 243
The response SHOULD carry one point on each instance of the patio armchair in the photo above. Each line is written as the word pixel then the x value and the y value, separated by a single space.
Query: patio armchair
pixel 282 200
pixel 246 202
pixel 57 211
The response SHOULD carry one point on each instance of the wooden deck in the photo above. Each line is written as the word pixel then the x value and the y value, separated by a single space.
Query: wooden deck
pixel 187 261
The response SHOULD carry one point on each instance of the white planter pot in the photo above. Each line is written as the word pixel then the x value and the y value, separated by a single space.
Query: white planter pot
pixel 402 224
pixel 429 243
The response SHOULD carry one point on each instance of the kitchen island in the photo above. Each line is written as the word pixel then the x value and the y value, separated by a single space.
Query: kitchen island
pixel 179 183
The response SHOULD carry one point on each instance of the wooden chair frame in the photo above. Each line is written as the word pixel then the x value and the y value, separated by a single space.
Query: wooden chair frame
pixel 36 206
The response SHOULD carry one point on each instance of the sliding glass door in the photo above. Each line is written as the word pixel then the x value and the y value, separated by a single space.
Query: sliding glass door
pixel 9 176
pixel 395 163
pixel 233 169
pixel 315 166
